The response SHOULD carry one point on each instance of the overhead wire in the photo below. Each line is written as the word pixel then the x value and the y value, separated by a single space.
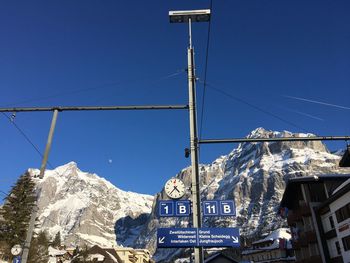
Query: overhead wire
pixel 26 137
pixel 205 74
pixel 102 86
pixel 255 107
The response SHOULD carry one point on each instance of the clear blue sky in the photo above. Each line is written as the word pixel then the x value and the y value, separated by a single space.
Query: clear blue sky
pixel 63 53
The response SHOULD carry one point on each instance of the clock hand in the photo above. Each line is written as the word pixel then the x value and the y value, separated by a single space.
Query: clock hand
pixel 172 191
pixel 175 188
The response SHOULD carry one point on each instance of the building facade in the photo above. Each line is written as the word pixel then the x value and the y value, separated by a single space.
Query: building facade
pixel 307 204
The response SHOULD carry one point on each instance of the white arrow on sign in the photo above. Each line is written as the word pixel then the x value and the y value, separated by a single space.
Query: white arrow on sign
pixel 161 240
pixel 235 239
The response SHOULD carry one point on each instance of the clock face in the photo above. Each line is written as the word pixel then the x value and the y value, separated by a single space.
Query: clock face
pixel 16 250
pixel 174 188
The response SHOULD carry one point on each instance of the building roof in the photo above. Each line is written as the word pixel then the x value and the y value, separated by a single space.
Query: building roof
pixel 275 235
pixel 339 192
pixel 110 254
pixel 294 183
pixel 218 255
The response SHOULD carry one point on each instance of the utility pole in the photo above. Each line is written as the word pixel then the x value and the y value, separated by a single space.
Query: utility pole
pixel 34 214
pixel 189 17
pixel 196 198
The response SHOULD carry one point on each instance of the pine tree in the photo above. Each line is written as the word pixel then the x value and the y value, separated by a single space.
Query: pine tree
pixel 38 252
pixel 57 241
pixel 17 210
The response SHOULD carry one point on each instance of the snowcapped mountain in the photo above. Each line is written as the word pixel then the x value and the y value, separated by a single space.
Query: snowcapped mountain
pixel 85 207
pixel 254 176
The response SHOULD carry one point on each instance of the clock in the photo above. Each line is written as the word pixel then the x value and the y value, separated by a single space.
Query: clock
pixel 16 250
pixel 174 188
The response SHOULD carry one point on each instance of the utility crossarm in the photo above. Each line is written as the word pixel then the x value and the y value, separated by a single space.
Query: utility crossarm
pixel 91 108
pixel 284 139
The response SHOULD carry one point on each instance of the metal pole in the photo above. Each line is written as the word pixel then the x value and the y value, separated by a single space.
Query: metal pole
pixel 92 108
pixel 279 139
pixel 35 208
pixel 48 144
pixel 196 205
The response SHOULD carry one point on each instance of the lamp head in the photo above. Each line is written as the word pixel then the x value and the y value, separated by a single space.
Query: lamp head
pixel 202 15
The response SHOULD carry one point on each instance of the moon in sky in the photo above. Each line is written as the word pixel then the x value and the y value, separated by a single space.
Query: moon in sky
pixel 110 161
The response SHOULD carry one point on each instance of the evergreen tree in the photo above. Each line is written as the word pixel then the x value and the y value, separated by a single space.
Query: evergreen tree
pixel 57 240
pixel 15 213
pixel 38 252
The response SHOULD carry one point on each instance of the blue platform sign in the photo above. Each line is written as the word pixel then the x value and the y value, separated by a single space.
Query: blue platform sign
pixel 218 237
pixel 166 208
pixel 182 208
pixel 174 208
pixel 177 237
pixel 210 208
pixel 197 237
pixel 227 208
pixel 17 259
pixel 219 208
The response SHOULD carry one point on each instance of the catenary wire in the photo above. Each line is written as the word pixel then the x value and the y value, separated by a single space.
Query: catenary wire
pixel 205 74
pixel 27 138
pixel 77 91
pixel 255 107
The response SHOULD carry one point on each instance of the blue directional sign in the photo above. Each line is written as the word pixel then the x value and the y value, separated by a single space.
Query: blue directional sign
pixel 197 237
pixel 218 237
pixel 174 208
pixel 210 208
pixel 166 208
pixel 182 208
pixel 17 259
pixel 227 208
pixel 177 237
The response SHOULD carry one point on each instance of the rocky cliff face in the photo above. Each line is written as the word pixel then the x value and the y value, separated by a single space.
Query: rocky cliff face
pixel 254 176
pixel 85 207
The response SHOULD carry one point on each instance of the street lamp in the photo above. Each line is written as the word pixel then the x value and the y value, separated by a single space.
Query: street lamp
pixel 189 17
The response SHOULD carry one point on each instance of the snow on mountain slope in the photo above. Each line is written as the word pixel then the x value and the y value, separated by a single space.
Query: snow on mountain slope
pixel 87 208
pixel 84 206
pixel 254 176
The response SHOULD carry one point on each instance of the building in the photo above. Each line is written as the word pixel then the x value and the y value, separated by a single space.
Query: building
pixel 103 255
pixel 276 247
pixel 334 215
pixel 220 257
pixel 307 203
pixel 118 255
pixel 132 255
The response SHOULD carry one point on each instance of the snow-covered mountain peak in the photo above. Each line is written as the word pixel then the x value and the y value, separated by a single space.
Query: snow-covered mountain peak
pixel 85 207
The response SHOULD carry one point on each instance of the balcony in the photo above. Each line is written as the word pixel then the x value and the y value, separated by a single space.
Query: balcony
pixel 312 259
pixel 310 237
pixel 294 216
pixel 305 209
pixel 338 259
pixel 330 234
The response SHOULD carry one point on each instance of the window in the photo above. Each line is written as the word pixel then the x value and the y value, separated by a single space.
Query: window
pixel 331 222
pixel 338 247
pixel 343 213
pixel 346 243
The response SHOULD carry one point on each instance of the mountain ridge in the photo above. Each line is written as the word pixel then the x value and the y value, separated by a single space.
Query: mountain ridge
pixel 89 209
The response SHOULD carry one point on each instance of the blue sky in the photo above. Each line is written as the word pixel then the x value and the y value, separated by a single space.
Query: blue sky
pixel 261 54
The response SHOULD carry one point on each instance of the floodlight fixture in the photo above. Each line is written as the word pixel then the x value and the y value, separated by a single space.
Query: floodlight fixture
pixel 202 15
